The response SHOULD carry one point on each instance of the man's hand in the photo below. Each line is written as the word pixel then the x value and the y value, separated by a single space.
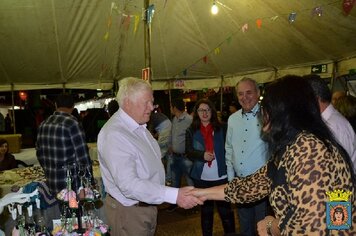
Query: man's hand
pixel 185 198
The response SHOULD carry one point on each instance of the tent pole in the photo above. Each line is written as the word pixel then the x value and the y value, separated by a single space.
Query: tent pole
pixel 13 108
pixel 221 93
pixel 333 76
pixel 147 39
pixel 170 101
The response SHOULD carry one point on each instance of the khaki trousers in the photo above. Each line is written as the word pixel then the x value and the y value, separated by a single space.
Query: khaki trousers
pixel 130 220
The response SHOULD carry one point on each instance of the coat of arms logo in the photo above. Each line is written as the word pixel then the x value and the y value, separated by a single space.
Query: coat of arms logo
pixel 338 210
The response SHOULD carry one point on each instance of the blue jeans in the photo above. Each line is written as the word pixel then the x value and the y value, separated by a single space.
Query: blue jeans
pixel 180 166
pixel 249 214
pixel 169 160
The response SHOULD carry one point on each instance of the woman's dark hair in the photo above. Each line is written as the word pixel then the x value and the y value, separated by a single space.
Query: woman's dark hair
pixel 214 116
pixel 290 106
pixel 2 141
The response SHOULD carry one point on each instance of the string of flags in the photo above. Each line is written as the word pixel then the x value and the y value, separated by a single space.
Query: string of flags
pixel 146 15
pixel 317 11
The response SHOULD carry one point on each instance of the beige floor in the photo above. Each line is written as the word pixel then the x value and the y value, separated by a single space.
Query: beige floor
pixel 185 223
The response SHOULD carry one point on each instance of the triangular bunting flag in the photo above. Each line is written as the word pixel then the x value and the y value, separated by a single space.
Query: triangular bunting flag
pixel 137 20
pixel 244 28
pixel 217 51
pixel 205 59
pixel 259 23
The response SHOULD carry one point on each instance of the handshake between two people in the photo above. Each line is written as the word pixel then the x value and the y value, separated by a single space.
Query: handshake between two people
pixel 189 197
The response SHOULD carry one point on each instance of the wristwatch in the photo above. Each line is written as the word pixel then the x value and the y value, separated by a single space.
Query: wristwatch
pixel 269 227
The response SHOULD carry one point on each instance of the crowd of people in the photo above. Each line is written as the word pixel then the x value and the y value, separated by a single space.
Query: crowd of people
pixel 274 158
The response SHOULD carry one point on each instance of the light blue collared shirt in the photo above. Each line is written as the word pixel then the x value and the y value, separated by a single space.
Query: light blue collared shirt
pixel 245 150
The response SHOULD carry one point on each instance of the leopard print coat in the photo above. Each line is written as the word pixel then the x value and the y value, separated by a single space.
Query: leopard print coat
pixel 297 187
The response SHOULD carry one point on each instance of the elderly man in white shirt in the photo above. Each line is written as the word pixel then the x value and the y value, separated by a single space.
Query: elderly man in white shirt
pixel 131 167
pixel 337 123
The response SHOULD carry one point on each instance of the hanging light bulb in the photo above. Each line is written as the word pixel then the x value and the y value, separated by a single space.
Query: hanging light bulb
pixel 214 9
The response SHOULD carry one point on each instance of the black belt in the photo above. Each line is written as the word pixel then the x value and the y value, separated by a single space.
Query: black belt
pixel 144 204
pixel 139 204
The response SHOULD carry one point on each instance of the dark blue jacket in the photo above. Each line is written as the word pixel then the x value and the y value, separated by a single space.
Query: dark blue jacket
pixel 195 148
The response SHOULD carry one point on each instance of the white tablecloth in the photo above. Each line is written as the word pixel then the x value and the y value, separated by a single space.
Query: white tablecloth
pixel 28 155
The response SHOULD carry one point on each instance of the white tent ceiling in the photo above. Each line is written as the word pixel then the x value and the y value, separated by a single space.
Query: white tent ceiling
pixel 92 43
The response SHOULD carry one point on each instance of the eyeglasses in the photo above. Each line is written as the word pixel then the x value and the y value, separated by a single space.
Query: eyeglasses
pixel 204 110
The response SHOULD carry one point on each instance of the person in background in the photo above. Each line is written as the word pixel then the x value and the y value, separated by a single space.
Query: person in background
pixel 2 123
pixel 233 107
pixel 113 106
pixel 76 114
pixel 246 152
pixel 205 146
pixel 131 166
pixel 161 128
pixel 7 160
pixel 337 123
pixel 346 105
pixel 306 163
pixel 181 165
pixel 8 124
pixel 60 147
pixel 336 95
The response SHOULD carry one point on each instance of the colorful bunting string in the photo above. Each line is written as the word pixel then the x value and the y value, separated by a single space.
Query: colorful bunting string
pixel 292 17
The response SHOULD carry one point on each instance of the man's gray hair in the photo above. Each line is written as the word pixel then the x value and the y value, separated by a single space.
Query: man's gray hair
pixel 244 79
pixel 130 87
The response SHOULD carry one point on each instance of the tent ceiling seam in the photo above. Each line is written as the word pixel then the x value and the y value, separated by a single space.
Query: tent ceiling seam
pixel 164 56
pixel 203 38
pixel 57 41
pixel 5 72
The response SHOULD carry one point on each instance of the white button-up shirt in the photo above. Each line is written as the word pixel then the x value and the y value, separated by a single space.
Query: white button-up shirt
pixel 130 163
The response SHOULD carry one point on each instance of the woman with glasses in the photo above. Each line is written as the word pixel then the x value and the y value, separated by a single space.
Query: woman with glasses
pixel 205 146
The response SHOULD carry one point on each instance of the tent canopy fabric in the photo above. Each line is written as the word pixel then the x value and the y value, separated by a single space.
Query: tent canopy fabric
pixel 95 43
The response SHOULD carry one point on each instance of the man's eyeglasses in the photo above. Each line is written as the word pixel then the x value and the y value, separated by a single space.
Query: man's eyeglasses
pixel 204 110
